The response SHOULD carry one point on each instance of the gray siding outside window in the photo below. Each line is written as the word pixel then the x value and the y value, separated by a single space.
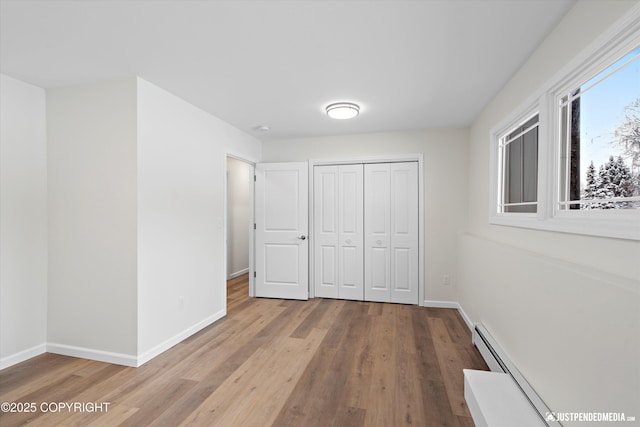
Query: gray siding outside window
pixel 521 167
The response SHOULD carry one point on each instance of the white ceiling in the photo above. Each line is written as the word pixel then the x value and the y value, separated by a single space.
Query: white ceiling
pixel 409 64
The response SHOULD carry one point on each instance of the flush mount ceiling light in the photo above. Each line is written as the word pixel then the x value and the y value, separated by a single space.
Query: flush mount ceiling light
pixel 343 110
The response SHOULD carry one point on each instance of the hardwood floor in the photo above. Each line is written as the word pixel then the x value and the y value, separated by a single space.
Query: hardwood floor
pixel 269 362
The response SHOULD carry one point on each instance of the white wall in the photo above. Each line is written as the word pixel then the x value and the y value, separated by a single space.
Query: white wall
pixel 566 308
pixel 239 178
pixel 445 186
pixel 181 237
pixel 23 221
pixel 136 205
pixel 91 138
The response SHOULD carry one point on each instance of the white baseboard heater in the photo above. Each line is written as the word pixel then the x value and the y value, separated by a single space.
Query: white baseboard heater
pixel 502 397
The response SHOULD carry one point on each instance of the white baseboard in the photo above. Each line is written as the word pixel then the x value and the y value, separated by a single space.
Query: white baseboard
pixel 451 304
pixel 130 360
pixel 92 354
pixel 238 273
pixel 21 356
pixel 441 304
pixel 166 345
pixel 466 318
pixel 107 356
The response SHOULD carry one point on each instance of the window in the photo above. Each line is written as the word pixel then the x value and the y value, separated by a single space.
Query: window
pixel 599 133
pixel 519 168
pixel 568 159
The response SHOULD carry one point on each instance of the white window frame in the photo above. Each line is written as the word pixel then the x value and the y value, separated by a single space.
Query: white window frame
pixel 498 137
pixel 617 223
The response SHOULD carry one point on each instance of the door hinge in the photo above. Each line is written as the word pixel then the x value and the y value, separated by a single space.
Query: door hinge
pixel 254 226
pixel 254 178
pixel 254 274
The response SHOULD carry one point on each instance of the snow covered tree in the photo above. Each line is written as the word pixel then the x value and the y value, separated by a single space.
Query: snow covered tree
pixel 614 180
pixel 622 179
pixel 591 187
pixel 628 135
pixel 604 189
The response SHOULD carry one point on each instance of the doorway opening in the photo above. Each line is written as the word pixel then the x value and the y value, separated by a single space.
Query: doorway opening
pixel 239 223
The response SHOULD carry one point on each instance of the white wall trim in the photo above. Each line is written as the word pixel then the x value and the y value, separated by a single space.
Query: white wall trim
pixel 441 304
pixel 465 317
pixel 107 356
pixel 23 355
pixel 450 304
pixel 238 273
pixel 128 360
pixel 612 279
pixel 166 345
pixel 92 354
pixel 391 158
pixel 311 225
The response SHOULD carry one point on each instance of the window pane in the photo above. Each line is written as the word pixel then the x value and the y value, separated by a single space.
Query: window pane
pixel 600 131
pixel 520 168
pixel 513 188
pixel 521 209
pixel 530 166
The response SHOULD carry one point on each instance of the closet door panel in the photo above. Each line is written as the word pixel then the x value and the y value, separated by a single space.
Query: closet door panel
pixel 404 229
pixel 351 239
pixel 326 232
pixel 401 267
pixel 377 275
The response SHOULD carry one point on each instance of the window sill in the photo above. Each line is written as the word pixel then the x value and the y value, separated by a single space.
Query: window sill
pixel 617 225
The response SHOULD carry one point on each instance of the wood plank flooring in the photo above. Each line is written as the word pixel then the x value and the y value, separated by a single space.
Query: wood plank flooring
pixel 270 362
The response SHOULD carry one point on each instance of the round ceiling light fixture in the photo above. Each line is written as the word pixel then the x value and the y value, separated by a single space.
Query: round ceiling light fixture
pixel 343 110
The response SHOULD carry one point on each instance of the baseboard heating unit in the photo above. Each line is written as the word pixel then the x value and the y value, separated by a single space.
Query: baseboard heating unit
pixel 502 397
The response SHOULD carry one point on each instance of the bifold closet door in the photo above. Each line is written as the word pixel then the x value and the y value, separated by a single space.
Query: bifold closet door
pixel 391 232
pixel 338 223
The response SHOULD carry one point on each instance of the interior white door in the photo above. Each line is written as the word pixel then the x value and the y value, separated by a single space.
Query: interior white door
pixel 282 244
pixel 338 231
pixel 391 232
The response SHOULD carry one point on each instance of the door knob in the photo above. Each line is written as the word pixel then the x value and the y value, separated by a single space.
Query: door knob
pixel 379 242
pixel 348 241
pixel 303 237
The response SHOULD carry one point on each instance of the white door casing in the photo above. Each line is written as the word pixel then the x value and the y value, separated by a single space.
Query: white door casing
pixel 281 235
pixel 338 231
